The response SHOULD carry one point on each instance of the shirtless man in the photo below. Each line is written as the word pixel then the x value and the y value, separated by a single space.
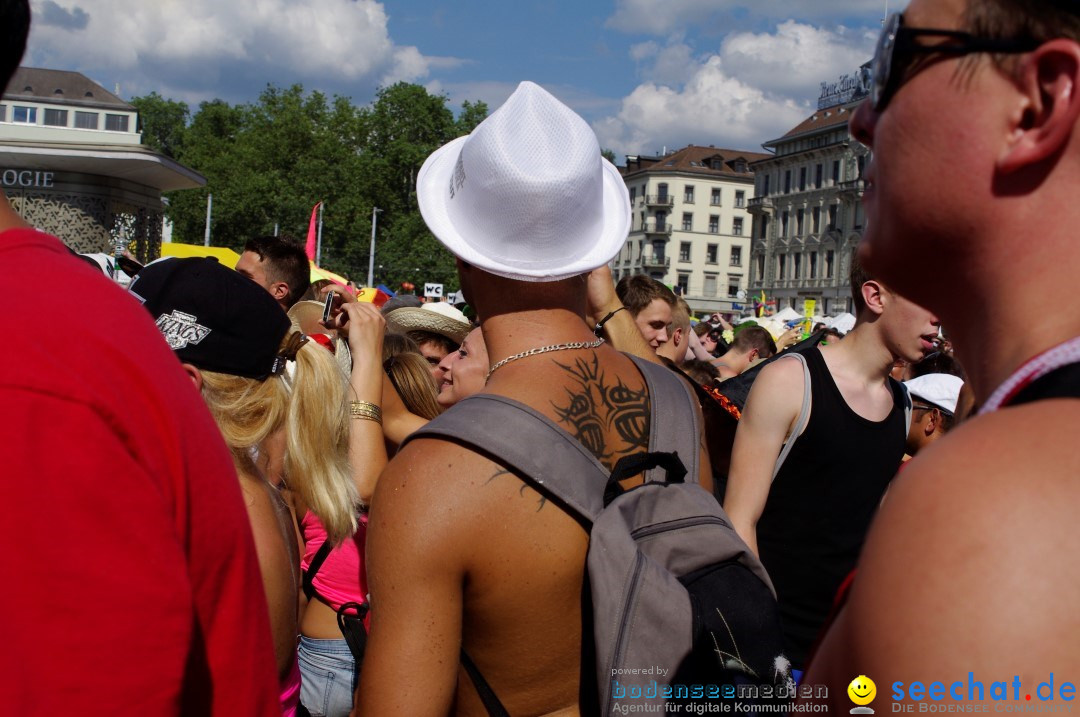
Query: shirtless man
pixel 968 567
pixel 462 555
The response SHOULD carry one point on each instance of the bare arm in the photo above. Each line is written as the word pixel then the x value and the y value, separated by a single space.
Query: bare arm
pixel 415 550
pixel 963 568
pixel 771 409
pixel 367 452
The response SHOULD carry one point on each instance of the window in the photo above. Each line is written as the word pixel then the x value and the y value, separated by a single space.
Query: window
pixel 836 172
pixel 799 215
pixel 763 227
pixel 736 256
pixel 86 120
pixel 761 268
pixel 802 178
pixel 56 118
pixel 765 187
pixel 688 194
pixel 661 222
pixel 813 265
pixel 684 251
pixel 3 113
pixel 862 165
pixel 682 284
pixel 740 198
pixel 711 253
pixel 798 267
pixel 832 216
pixel 661 193
pixel 116 123
pixel 818 172
pixel 710 285
pixel 733 289
pixel 829 257
pixel 24 115
pixel 633 195
pixel 714 224
pixel 781 266
pixel 817 220
pixel 736 226
pixel 714 197
pixel 658 251
pixel 687 221
pixel 784 222
pixel 787 181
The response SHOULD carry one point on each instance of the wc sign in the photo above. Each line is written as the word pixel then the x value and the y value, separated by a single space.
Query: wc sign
pixel 433 291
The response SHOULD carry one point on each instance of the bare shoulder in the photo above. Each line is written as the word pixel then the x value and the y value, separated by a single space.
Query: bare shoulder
pixel 968 564
pixel 776 393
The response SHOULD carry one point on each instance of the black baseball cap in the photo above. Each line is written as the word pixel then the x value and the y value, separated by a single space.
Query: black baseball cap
pixel 212 317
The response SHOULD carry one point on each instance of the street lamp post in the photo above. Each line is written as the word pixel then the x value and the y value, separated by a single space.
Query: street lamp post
pixel 371 256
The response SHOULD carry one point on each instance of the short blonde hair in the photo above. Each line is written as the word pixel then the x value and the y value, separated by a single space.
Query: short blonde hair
pixel 311 406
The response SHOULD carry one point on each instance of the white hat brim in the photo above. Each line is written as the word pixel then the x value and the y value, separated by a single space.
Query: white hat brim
pixel 432 196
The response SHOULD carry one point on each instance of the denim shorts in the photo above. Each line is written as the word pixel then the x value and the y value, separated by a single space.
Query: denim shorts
pixel 328 677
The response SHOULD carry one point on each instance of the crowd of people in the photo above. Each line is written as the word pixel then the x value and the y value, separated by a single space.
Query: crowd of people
pixel 239 493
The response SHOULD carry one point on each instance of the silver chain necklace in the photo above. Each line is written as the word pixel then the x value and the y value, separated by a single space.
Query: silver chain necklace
pixel 544 350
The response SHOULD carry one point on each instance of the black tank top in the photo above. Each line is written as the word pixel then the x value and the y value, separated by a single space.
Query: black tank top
pixel 821 503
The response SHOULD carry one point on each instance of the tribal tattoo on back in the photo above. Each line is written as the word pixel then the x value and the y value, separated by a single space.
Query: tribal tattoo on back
pixel 596 406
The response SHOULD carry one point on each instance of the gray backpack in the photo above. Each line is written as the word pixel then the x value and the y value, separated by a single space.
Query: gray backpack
pixel 681 609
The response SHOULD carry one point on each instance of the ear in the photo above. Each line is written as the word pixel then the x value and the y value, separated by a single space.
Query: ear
pixel 1048 83
pixel 677 337
pixel 873 294
pixel 279 290
pixel 194 374
pixel 754 353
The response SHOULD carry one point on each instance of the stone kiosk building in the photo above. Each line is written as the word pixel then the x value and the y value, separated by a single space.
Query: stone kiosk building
pixel 807 209
pixel 690 226
pixel 72 162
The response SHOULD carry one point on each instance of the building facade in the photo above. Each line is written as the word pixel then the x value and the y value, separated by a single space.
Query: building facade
pixel 807 209
pixel 72 163
pixel 690 225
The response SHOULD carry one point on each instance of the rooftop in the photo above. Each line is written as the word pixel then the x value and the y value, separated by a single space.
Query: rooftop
pixel 822 120
pixel 706 161
pixel 33 84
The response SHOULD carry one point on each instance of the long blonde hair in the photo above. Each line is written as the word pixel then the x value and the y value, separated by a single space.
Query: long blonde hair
pixel 410 375
pixel 311 406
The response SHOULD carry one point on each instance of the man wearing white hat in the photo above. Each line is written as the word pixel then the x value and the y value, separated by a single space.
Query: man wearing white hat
pixel 933 397
pixel 461 553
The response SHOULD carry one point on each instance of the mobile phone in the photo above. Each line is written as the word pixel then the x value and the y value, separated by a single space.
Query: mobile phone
pixel 328 305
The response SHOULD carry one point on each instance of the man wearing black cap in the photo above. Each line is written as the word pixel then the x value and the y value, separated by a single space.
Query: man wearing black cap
pixel 133 581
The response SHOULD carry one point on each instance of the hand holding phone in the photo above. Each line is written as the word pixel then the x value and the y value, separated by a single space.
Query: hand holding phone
pixel 328 306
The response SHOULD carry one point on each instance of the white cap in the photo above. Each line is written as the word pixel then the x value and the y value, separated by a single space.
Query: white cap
pixel 939 389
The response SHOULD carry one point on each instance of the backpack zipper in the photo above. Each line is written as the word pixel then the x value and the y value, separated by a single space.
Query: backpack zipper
pixel 639 563
pixel 678 523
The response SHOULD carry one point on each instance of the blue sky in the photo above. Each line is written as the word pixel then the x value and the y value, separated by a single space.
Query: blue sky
pixel 646 74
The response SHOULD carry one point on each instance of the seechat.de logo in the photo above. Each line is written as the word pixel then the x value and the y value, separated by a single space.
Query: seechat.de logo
pixel 862 692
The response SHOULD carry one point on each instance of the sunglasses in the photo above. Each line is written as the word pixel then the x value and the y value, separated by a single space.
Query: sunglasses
pixel 897 50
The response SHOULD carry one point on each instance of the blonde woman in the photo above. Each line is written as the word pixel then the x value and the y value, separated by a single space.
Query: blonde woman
pixel 235 342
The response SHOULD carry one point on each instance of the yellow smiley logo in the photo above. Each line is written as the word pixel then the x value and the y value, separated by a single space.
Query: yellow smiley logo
pixel 862 690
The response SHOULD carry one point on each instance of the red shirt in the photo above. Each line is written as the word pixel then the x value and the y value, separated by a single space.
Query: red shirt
pixel 131 584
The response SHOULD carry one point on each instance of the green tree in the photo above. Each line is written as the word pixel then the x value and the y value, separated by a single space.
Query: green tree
pixel 472 114
pixel 608 154
pixel 163 123
pixel 270 161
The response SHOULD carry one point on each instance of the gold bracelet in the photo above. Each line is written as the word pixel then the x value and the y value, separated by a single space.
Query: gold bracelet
pixel 365 410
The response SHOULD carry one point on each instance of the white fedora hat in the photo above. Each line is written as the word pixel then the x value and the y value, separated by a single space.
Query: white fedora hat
pixel 527 195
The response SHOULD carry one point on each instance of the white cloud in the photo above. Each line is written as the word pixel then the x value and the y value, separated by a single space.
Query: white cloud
pixel 193 47
pixel 755 87
pixel 797 57
pixel 650 17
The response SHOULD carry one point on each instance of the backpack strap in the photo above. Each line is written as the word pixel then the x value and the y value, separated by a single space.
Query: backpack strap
pixel 675 422
pixel 313 568
pixel 801 420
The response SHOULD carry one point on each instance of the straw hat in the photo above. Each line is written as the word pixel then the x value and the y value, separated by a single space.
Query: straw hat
pixel 527 195
pixel 438 318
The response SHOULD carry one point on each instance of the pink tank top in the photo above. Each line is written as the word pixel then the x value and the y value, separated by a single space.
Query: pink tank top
pixel 342 577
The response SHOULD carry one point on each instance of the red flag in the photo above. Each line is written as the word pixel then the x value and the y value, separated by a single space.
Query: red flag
pixel 311 233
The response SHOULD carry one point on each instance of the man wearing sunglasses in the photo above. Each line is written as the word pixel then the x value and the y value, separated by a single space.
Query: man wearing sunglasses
pixel 969 573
